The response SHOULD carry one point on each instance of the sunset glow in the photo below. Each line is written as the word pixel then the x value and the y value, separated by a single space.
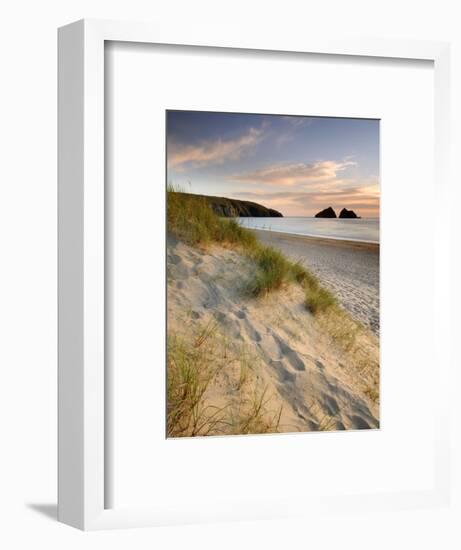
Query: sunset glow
pixel 297 165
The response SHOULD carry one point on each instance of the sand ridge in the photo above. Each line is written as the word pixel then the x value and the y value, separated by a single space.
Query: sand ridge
pixel 349 269
pixel 308 379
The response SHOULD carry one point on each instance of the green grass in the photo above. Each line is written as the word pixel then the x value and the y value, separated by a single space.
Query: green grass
pixel 189 375
pixel 318 299
pixel 194 364
pixel 272 271
pixel 191 219
pixel 192 368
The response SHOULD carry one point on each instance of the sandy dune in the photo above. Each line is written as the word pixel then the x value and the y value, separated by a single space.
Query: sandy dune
pixel 349 269
pixel 314 384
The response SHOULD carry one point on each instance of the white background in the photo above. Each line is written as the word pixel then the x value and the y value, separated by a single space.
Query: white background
pixel 28 289
pixel 297 469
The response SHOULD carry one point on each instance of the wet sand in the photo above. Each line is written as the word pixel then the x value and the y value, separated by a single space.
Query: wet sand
pixel 350 269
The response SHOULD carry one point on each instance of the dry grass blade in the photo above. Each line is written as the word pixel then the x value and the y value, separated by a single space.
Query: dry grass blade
pixel 194 364
pixel 192 220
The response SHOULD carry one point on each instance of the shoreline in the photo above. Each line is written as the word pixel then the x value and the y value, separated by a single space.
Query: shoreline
pixel 349 269
pixel 339 241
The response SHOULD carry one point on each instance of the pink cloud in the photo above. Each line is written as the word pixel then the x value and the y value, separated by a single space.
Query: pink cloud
pixel 212 152
pixel 363 198
pixel 297 173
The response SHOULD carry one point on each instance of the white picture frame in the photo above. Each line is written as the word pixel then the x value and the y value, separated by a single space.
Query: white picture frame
pixel 82 490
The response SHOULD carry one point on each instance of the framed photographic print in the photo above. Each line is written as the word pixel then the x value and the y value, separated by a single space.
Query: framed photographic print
pixel 242 356
pixel 241 330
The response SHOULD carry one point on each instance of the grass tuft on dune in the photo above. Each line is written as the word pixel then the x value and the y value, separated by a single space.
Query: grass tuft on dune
pixel 239 365
pixel 194 366
pixel 191 219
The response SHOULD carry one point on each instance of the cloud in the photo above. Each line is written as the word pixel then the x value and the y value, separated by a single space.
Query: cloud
pixel 209 152
pixel 363 198
pixel 290 129
pixel 296 174
pixel 297 121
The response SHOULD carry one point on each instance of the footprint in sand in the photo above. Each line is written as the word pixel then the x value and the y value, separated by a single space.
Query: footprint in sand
pixel 283 374
pixel 232 326
pixel 330 404
pixel 179 269
pixel 295 361
pixel 290 354
pixel 241 314
pixel 358 423
pixel 252 332
pixel 303 412
pixel 174 259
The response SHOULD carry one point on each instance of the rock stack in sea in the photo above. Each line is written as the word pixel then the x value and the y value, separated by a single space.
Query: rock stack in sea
pixel 330 213
pixel 345 213
pixel 326 213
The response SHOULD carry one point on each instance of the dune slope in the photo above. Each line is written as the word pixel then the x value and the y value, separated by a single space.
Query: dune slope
pixel 268 365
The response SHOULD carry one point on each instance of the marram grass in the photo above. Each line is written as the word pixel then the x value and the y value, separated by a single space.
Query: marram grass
pixel 193 364
pixel 191 219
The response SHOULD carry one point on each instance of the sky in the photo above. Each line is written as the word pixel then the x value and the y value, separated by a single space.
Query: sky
pixel 297 165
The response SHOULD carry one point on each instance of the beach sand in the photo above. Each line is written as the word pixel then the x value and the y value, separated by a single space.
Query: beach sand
pixel 292 366
pixel 349 269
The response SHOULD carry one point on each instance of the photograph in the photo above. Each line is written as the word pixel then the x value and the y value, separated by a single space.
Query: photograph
pixel 272 273
pixel 222 329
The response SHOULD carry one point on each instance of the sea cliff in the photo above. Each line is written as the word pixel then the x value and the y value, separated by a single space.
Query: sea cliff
pixel 234 208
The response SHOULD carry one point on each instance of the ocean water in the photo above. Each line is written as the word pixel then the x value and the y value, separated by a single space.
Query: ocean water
pixel 364 229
